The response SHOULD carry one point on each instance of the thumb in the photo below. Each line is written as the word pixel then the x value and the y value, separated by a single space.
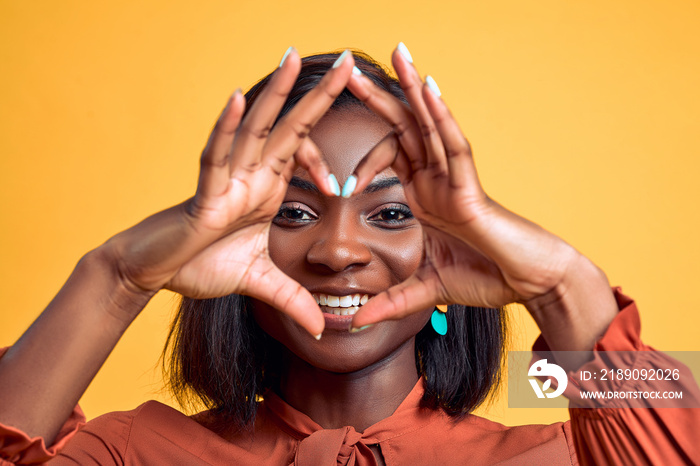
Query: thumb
pixel 414 294
pixel 278 290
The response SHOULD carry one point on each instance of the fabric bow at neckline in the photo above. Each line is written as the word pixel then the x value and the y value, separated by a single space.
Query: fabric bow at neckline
pixel 345 446
pixel 342 447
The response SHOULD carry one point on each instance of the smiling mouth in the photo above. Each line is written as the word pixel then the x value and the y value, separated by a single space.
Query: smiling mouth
pixel 340 305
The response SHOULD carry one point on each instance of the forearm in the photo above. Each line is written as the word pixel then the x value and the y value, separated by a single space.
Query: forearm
pixel 575 313
pixel 45 373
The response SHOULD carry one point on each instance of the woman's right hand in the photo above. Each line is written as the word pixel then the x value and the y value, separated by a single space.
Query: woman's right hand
pixel 211 245
pixel 216 243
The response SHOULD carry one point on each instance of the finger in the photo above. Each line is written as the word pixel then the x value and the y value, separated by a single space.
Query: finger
pixel 412 86
pixel 290 298
pixel 399 301
pixel 308 156
pixel 295 126
pixel 214 163
pixel 258 122
pixel 396 113
pixel 386 153
pixel 460 163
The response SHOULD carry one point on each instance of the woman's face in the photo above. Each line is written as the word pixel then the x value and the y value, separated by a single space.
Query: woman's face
pixel 343 249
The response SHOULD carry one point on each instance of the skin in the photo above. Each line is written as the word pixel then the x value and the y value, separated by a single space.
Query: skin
pixel 476 251
pixel 346 246
pixel 213 244
pixel 218 242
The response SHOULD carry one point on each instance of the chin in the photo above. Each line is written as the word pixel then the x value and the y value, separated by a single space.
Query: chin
pixel 339 351
pixel 346 353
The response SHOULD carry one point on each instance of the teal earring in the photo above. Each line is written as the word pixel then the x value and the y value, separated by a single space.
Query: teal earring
pixel 439 321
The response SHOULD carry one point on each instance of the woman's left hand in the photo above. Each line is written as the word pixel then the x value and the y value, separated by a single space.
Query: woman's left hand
pixel 476 252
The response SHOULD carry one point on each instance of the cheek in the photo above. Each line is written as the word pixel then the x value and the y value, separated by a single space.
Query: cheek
pixel 402 252
pixel 279 248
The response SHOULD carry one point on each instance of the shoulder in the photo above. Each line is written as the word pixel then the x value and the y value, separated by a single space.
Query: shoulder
pixel 476 440
pixel 155 433
pixel 525 436
pixel 153 430
pixel 528 444
pixel 118 425
pixel 482 428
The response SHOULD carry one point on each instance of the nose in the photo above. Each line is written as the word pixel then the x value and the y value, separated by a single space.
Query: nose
pixel 340 247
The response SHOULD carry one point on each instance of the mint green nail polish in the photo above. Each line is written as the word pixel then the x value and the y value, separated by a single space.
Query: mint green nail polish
pixel 341 59
pixel 356 71
pixel 355 330
pixel 349 186
pixel 333 184
pixel 286 54
pixel 404 51
pixel 432 85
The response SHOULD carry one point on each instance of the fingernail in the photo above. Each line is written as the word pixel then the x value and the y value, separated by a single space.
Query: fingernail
pixel 341 59
pixel 333 184
pixel 231 98
pixel 432 85
pixel 286 54
pixel 355 330
pixel 318 337
pixel 404 51
pixel 349 186
pixel 356 71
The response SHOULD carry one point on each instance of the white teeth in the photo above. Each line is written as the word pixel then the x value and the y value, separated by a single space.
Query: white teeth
pixel 344 305
pixel 333 301
pixel 344 311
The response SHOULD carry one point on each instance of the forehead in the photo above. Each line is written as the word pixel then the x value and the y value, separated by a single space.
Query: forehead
pixel 345 136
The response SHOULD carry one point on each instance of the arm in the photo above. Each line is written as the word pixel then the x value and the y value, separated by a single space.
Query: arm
pixel 44 374
pixel 478 253
pixel 629 431
pixel 576 312
pixel 211 245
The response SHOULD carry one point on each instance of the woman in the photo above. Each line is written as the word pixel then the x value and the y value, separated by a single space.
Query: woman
pixel 343 283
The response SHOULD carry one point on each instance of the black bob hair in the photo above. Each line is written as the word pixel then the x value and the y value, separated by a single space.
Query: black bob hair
pixel 217 356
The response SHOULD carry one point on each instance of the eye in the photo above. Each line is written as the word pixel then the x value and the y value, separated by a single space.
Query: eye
pixel 294 213
pixel 391 215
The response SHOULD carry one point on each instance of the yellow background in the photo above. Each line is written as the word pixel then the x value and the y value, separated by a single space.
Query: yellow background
pixel 583 117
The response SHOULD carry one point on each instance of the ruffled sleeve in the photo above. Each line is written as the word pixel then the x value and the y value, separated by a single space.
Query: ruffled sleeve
pixel 16 447
pixel 610 434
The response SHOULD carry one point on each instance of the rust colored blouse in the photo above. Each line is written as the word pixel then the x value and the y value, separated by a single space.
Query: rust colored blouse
pixel 154 433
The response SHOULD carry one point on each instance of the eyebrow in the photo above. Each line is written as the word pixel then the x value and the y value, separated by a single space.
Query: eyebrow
pixel 303 184
pixel 384 183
